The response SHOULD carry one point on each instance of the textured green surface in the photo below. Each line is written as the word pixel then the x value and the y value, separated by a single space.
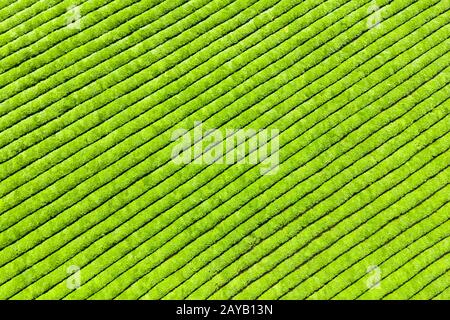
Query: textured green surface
pixel 91 92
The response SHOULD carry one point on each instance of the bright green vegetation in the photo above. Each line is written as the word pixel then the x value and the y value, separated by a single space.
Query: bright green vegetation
pixel 86 177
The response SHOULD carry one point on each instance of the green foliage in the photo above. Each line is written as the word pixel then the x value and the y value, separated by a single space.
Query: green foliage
pixel 86 177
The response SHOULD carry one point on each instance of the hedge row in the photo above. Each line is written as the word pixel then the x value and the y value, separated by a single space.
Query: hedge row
pixel 307 202
pixel 419 227
pixel 16 196
pixel 210 219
